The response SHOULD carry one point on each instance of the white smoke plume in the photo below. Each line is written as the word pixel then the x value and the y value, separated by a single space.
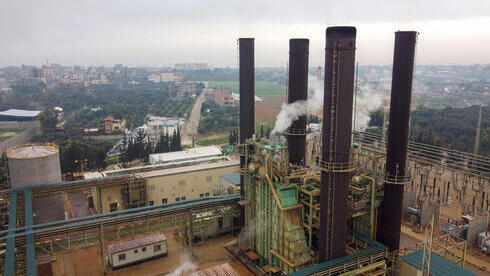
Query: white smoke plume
pixel 291 112
pixel 186 267
pixel 369 98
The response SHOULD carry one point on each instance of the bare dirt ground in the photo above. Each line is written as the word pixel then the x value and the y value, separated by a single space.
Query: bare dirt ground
pixel 87 261
pixel 269 108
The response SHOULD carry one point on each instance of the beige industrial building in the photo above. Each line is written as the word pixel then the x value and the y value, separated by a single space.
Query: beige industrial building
pixel 165 186
pixel 189 182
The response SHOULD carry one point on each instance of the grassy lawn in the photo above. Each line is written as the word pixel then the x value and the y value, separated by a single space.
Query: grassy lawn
pixel 262 88
pixel 214 140
pixel 6 133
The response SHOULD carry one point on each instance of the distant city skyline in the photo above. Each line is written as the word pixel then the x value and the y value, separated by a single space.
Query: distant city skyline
pixel 162 33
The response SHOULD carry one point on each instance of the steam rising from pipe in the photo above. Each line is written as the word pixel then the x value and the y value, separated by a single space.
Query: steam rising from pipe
pixel 186 267
pixel 291 112
pixel 368 99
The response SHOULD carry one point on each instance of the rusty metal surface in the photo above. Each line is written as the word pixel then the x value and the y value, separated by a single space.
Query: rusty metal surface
pixel 337 123
pixel 298 91
pixel 396 152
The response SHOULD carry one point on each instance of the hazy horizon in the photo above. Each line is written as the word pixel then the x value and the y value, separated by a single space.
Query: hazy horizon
pixel 161 33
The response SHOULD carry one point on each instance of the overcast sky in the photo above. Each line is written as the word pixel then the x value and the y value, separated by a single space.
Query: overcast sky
pixel 164 32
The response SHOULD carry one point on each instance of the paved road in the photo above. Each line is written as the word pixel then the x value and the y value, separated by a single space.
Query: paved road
pixel 190 127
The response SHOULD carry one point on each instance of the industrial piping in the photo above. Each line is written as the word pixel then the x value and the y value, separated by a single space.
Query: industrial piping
pixel 336 140
pixel 247 106
pixel 297 91
pixel 396 152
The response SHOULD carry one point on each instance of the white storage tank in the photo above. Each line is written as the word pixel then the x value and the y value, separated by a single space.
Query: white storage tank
pixel 33 164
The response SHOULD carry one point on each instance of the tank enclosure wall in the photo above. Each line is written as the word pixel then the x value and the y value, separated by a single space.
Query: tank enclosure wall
pixel 337 123
pixel 297 91
pixel 396 151
pixel 36 170
pixel 247 105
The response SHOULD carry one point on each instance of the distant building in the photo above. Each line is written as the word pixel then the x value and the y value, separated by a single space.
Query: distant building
pixel 166 77
pixel 191 66
pixel 224 98
pixel 112 124
pixel 19 115
pixel 161 125
pixel 221 96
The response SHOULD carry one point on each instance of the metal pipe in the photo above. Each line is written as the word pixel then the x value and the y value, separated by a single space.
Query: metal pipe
pixel 396 152
pixel 297 91
pixel 247 105
pixel 337 125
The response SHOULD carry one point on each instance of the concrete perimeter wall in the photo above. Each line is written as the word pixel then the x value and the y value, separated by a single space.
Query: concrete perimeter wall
pixel 31 129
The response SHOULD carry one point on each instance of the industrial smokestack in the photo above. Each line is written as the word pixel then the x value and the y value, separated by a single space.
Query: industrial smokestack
pixel 337 123
pixel 247 104
pixel 396 152
pixel 297 91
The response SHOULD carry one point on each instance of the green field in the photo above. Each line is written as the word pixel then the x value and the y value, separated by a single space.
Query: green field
pixel 214 140
pixel 262 88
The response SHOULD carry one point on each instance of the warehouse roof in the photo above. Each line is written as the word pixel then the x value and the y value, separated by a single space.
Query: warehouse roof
pixel 134 243
pixel 218 270
pixel 233 178
pixel 438 265
pixel 188 154
pixel 179 170
pixel 20 113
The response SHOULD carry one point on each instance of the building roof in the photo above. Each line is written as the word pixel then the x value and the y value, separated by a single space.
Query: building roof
pixel 188 154
pixel 124 245
pixel 109 118
pixel 438 265
pixel 233 178
pixel 218 270
pixel 179 170
pixel 20 113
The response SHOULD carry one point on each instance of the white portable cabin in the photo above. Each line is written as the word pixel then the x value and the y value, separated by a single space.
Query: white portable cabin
pixel 127 252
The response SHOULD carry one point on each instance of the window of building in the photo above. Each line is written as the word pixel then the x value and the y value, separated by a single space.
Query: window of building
pixel 113 207
pixel 122 257
pixel 164 200
pixel 143 249
pixel 177 199
pixel 157 247
pixel 207 194
pixel 182 198
pixel 209 178
pixel 136 251
pixel 151 202
pixel 201 195
pixel 181 182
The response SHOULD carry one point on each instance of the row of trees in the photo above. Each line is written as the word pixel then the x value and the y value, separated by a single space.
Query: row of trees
pixel 139 148
pixel 453 128
pixel 262 132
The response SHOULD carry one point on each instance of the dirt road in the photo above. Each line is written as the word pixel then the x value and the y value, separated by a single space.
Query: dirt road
pixel 190 127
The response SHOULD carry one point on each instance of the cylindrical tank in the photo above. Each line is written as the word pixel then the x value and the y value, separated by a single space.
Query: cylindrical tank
pixel 34 164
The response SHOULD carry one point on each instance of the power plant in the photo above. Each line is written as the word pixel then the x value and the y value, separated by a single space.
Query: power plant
pixel 337 213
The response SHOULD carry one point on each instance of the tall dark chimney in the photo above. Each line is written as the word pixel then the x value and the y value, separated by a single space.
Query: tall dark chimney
pixel 337 123
pixel 247 105
pixel 297 91
pixel 396 151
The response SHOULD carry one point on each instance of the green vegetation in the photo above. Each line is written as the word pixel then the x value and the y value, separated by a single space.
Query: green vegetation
pixel 262 88
pixel 215 118
pixel 453 128
pixel 213 140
